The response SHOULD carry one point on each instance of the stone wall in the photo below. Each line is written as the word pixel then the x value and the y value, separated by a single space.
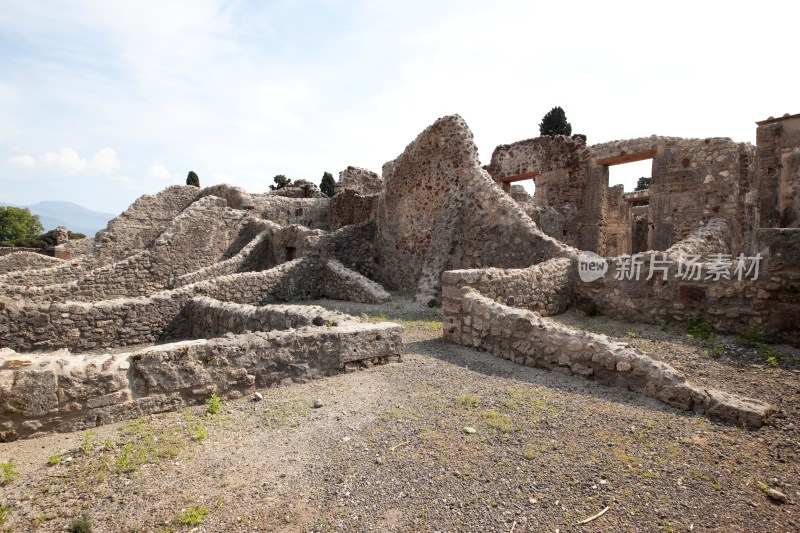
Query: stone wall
pixel 440 211
pixel 42 393
pixel 349 207
pixel 526 338
pixel 138 226
pixel 728 305
pixel 544 288
pixel 25 260
pixel 778 141
pixel 309 212
pixel 359 180
pixel 85 326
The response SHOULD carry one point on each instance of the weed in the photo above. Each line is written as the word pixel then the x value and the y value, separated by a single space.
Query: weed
pixel 81 525
pixel 214 404
pixel 379 317
pixel 530 453
pixel 54 460
pixel 764 487
pixel 193 515
pixel 87 442
pixel 668 528
pixel 4 513
pixel 468 400
pixel 330 323
pixel 649 475
pixel 9 471
pixel 632 334
pixel 698 330
pixel 754 339
pixel 198 433
pixel 499 421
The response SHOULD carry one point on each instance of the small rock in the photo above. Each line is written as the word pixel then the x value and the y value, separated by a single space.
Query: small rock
pixel 317 404
pixel 470 430
pixel 777 496
pixel 257 397
pixel 378 461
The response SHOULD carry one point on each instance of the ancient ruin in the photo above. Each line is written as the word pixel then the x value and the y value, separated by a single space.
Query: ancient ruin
pixel 192 291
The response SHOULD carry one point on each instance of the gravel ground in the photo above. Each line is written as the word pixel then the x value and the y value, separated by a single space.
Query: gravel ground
pixel 451 439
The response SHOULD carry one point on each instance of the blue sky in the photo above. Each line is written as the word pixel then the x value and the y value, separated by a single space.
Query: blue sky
pixel 103 101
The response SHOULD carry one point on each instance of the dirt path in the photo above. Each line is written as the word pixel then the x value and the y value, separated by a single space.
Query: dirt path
pixel 393 449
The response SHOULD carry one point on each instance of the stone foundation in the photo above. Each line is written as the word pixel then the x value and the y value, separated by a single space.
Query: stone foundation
pixel 55 392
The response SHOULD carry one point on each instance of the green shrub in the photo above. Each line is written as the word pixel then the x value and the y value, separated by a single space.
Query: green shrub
pixel 214 405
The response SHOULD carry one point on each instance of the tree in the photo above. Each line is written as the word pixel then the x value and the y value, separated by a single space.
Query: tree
pixel 642 184
pixel 281 181
pixel 327 185
pixel 17 224
pixel 555 123
pixel 193 179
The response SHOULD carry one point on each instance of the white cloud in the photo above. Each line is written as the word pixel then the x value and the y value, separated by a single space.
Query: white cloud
pixel 23 161
pixel 160 172
pixel 67 161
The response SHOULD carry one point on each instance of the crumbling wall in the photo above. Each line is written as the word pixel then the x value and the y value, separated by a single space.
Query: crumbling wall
pixel 778 141
pixel 61 392
pixel 526 338
pixel 441 211
pixel 24 260
pixel 85 326
pixel 545 288
pixel 349 207
pixel 728 305
pixel 358 180
pixel 138 226
pixel 312 213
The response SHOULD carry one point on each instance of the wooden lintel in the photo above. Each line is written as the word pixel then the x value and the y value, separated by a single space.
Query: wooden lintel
pixel 626 158
pixel 519 177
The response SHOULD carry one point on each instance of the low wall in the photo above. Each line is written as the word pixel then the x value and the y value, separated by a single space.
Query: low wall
pixel 86 326
pixel 24 260
pixel 526 338
pixel 771 301
pixel 57 392
pixel 545 288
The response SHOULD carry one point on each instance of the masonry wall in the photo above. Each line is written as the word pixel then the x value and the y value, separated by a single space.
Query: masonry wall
pixel 441 211
pixel 349 207
pixel 728 305
pixel 545 288
pixel 25 260
pixel 526 338
pixel 138 226
pixel 85 326
pixel 45 392
pixel 309 212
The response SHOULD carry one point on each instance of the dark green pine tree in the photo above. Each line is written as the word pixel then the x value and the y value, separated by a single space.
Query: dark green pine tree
pixel 192 179
pixel 555 123
pixel 327 185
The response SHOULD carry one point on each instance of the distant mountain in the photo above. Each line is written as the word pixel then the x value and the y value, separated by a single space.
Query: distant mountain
pixel 74 217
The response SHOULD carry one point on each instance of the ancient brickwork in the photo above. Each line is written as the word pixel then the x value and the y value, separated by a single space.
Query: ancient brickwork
pixel 349 207
pixel 139 225
pixel 61 392
pixel 528 339
pixel 778 143
pixel 309 212
pixel 544 287
pixel 25 260
pixel 124 321
pixel 359 180
pixel 441 211
pixel 728 305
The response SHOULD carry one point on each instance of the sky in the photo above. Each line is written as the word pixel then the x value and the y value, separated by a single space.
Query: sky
pixel 103 101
